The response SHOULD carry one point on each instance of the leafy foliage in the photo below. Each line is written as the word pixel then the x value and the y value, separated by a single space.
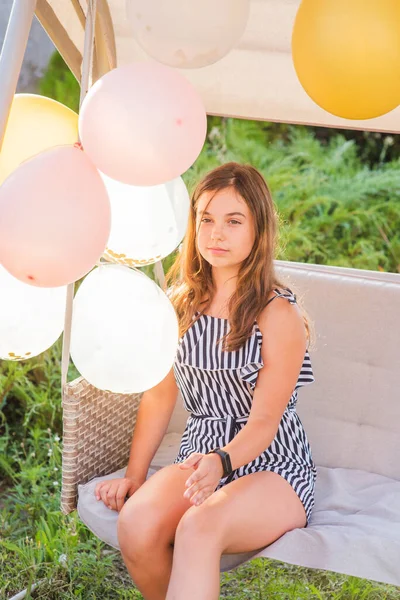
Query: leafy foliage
pixel 60 84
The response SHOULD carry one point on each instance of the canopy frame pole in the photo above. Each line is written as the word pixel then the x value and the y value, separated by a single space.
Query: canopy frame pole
pixel 86 81
pixel 12 55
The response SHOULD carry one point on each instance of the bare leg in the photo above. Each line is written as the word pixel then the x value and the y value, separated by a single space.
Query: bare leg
pixel 247 514
pixel 196 568
pixel 146 530
pixel 152 572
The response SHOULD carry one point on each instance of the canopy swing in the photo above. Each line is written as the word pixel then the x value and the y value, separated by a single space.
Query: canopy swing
pixel 351 413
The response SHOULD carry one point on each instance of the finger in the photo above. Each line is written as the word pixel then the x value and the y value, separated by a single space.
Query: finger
pixel 199 497
pixel 193 488
pixel 196 477
pixel 121 496
pixel 103 493
pixel 189 493
pixel 98 488
pixel 192 461
pixel 196 489
pixel 111 497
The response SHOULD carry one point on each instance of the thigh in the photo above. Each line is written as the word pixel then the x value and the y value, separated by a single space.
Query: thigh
pixel 249 513
pixel 157 506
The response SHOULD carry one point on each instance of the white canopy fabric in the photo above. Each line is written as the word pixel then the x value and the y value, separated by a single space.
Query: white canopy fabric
pixel 256 80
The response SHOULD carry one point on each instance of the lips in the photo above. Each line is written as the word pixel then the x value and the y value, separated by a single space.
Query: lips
pixel 221 249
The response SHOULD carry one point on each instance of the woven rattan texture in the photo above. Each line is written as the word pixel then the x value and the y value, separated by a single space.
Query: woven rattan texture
pixel 97 435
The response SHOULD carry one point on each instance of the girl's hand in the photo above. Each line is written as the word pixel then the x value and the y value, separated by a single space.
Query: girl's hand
pixel 113 492
pixel 202 483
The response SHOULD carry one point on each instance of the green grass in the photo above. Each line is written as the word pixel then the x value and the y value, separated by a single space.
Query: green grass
pixel 39 543
pixel 334 209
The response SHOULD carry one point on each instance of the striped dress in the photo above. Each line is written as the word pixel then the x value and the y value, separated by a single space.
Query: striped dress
pixel 217 389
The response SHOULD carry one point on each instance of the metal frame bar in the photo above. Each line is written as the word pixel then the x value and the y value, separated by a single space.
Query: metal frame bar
pixel 105 54
pixel 60 37
pixel 86 82
pixel 12 55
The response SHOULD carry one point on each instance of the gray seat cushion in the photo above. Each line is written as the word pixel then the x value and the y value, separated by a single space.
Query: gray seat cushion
pixel 354 528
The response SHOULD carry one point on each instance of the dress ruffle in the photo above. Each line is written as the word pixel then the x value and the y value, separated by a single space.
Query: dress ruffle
pixel 249 372
pixel 247 360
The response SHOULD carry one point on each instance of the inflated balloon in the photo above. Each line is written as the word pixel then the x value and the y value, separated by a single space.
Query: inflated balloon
pixel 31 318
pixel 187 34
pixel 54 218
pixel 347 55
pixel 142 124
pixel 35 124
pixel 124 330
pixel 147 222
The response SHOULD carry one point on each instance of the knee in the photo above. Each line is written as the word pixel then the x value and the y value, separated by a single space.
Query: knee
pixel 138 530
pixel 197 522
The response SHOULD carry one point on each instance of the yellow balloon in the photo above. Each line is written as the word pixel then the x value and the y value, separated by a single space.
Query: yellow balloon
pixel 347 55
pixel 35 124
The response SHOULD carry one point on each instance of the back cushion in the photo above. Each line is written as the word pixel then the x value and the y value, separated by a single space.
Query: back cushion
pixel 351 413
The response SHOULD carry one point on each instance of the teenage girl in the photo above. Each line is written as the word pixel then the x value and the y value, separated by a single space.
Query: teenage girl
pixel 244 474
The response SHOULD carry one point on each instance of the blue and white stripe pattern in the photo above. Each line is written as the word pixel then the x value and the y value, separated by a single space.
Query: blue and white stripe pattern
pixel 217 389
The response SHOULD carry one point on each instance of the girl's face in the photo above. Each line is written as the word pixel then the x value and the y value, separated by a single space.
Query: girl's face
pixel 225 228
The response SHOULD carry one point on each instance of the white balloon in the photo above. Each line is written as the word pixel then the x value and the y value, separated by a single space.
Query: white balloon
pixel 147 223
pixel 124 330
pixel 31 318
pixel 187 33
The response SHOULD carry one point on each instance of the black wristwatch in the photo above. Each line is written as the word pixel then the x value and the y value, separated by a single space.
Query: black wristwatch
pixel 226 460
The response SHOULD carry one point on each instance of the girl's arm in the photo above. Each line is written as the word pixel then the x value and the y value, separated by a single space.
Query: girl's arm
pixel 154 413
pixel 283 348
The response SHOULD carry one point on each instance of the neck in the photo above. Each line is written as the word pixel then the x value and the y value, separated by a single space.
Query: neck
pixel 224 281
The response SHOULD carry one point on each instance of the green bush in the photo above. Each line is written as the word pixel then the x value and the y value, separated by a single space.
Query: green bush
pixel 60 84
pixel 334 207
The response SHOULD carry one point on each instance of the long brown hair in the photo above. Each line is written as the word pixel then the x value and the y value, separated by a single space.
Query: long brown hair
pixel 190 277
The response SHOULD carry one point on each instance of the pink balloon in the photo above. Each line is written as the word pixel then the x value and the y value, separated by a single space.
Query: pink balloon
pixel 54 218
pixel 143 124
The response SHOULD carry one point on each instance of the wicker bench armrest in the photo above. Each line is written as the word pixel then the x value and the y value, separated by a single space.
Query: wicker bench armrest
pixel 97 434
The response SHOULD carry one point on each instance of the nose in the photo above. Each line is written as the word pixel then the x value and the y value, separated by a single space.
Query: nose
pixel 216 233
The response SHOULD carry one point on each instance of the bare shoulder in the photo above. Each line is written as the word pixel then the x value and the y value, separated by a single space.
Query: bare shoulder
pixel 281 318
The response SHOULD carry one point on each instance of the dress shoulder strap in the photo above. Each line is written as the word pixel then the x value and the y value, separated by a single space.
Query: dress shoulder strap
pixel 287 293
